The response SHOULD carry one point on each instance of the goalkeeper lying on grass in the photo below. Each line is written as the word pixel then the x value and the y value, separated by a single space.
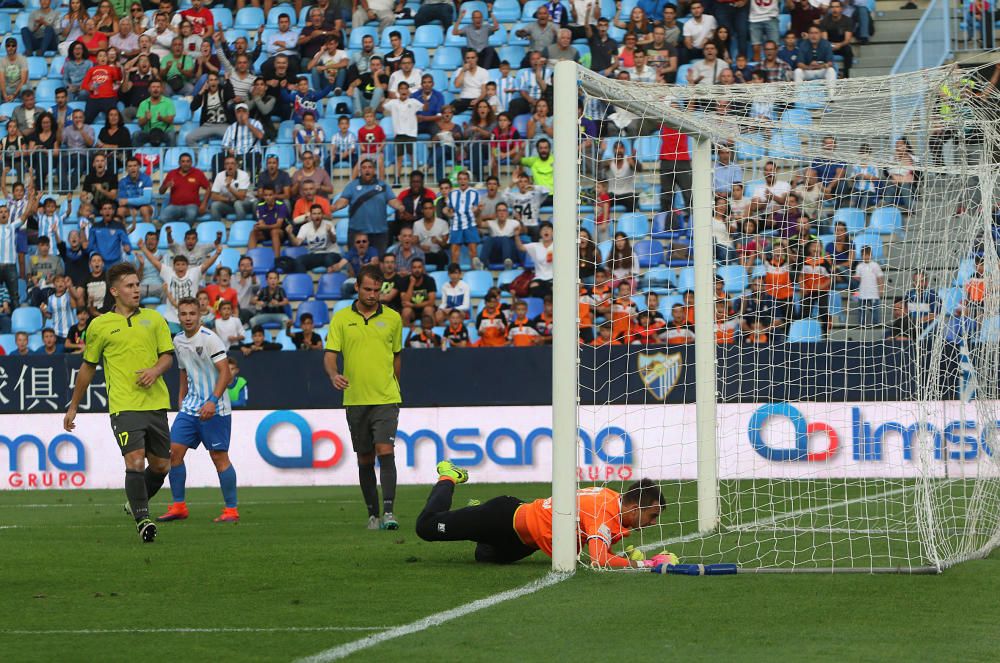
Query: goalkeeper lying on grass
pixel 507 529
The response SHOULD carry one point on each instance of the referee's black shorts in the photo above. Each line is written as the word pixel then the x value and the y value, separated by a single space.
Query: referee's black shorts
pixel 371 425
pixel 137 430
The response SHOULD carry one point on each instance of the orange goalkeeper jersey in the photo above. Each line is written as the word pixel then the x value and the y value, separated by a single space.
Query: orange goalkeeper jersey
pixel 599 522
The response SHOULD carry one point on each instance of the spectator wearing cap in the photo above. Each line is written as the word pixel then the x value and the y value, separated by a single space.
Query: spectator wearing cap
pixel 242 139
pixel 214 100
pixel 185 184
pixel 13 72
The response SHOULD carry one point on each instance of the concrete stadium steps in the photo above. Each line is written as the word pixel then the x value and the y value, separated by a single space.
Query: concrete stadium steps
pixel 893 27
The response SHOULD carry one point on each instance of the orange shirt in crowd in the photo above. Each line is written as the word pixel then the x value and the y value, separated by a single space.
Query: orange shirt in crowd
pixel 815 275
pixel 778 280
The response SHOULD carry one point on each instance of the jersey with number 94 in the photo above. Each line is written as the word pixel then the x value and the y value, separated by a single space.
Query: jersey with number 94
pixel 197 356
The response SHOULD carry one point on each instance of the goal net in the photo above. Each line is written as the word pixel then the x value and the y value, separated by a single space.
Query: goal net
pixel 788 315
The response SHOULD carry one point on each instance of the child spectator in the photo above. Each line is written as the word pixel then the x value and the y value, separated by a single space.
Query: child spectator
pixel 424 336
pixel 238 389
pixel 403 110
pixel 59 306
pixel 750 249
pixel 739 205
pixel 865 179
pixel 520 332
pixel 975 287
pixel 50 344
pixel 725 327
pixel 491 324
pixel 344 144
pixel 9 254
pixel 205 310
pixel 622 264
pixel 220 291
pixel 653 306
pixel 543 322
pixel 270 302
pixel 456 295
pixel 602 212
pixel 922 303
pixel 76 338
pixel 778 277
pixel 43 267
pixel 756 334
pixel 371 138
pixel 870 285
pixel 456 333
pixel 815 281
pixel 228 327
pixel 307 339
pixel 643 331
pixel 505 145
pixel 605 336
pixel 841 252
pixel 258 344
pixel 623 310
pixel 246 285
pixel 308 136
pixel 461 209
pixel 689 307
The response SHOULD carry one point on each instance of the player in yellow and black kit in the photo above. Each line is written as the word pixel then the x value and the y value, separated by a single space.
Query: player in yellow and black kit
pixel 135 347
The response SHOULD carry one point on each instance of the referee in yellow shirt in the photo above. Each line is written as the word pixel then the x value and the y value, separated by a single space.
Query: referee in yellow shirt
pixel 135 347
pixel 370 337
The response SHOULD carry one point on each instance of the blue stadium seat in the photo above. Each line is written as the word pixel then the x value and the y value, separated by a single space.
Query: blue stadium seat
pixel 177 229
pixel 249 18
pixel 512 53
pixel 223 18
pixel 45 91
pixel 529 8
pixel 263 259
pixel 447 58
pixel 427 36
pixel 440 279
pixel 796 117
pixel 207 231
pixel 966 268
pixel 535 306
pixel 228 258
pixel 810 95
pixel 205 160
pixel 342 304
pixel 990 331
pixel 886 220
pixel 682 74
pixel 239 233
pixel 8 343
pixel 950 298
pixel 470 6
pixel 634 225
pixel 182 110
pixel 685 279
pixel 272 16
pixel 404 35
pixel 285 154
pixel 514 40
pixel 659 277
pixel 319 310
pixel 479 281
pixel 507 276
pixel 868 239
pixel 507 11
pixel 648 252
pixel 357 34
pixel 138 234
pixel 734 278
pixel 785 144
pixel 421 57
pixel 805 331
pixel 298 287
pixel 852 217
pixel 330 285
pixel 26 319
pixel 746 151
pixel 451 39
pixel 499 38
pixel 38 68
pixel 648 148
pixel 667 303
pixel 55 67
pixel 294 252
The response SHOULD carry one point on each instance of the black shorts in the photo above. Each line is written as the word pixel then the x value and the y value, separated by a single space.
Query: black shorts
pixel 142 430
pixel 371 425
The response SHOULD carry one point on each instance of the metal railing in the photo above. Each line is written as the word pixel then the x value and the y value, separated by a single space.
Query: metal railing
pixel 970 32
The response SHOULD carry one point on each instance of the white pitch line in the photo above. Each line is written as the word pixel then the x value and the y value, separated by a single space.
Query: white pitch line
pixel 771 520
pixel 136 631
pixel 345 650
pixel 118 504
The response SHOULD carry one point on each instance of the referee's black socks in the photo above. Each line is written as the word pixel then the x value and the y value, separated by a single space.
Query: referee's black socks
pixel 154 481
pixel 387 477
pixel 135 490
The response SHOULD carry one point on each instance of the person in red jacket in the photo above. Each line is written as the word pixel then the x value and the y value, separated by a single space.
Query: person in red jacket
pixel 101 82
pixel 675 167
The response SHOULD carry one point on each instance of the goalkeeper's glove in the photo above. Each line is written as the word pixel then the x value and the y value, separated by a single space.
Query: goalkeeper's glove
pixel 634 554
pixel 665 557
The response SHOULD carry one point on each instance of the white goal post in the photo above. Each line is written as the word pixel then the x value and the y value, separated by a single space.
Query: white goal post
pixel 914 485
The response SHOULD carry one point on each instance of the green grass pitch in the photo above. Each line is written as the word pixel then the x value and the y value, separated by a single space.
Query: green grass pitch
pixel 301 574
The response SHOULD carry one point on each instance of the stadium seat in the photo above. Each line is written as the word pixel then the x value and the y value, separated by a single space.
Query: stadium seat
pixel 138 234
pixel 272 16
pixel 38 68
pixel 177 229
pixel 319 310
pixel 512 53
pixel 603 249
pixel 427 36
pixel 330 285
pixel 611 143
pixel 447 58
pixel 868 239
pixel 734 278
pixel 886 220
pixel 357 34
pixel 785 144
pixel 228 258
pixel 223 18
pixel 796 117
pixel 182 110
pixel 951 298
pixel 207 231
pixel 747 151
pixel 514 40
pixel 285 154
pixel 341 305
pixel 298 287
pixel 805 331
pixel 852 217
pixel 480 281
pixel 507 276
pixel 648 252
pixel 507 11
pixel 685 280
pixel 682 74
pixel 404 35
pixel 648 149
pixel 529 8
pixel 8 343
pixel 440 279
pixel 239 233
pixel 990 331
pixel 263 259
pixel 56 66
pixel 667 303
pixel 45 91
pixel 634 225
pixel 659 277
pixel 26 319
pixel 251 18
pixel 421 57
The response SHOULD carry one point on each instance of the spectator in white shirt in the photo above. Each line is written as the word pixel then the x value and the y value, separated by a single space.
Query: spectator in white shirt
pixel 770 195
pixel 231 192
pixel 456 295
pixel 383 11
pixel 471 79
pixel 642 72
pixel 403 111
pixel 406 73
pixel 698 30
pixel 431 232
pixel 227 326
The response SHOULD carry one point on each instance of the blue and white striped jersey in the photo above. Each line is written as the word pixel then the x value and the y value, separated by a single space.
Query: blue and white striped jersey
pixel 49 226
pixel 61 310
pixel 8 245
pixel 197 356
pixel 464 203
